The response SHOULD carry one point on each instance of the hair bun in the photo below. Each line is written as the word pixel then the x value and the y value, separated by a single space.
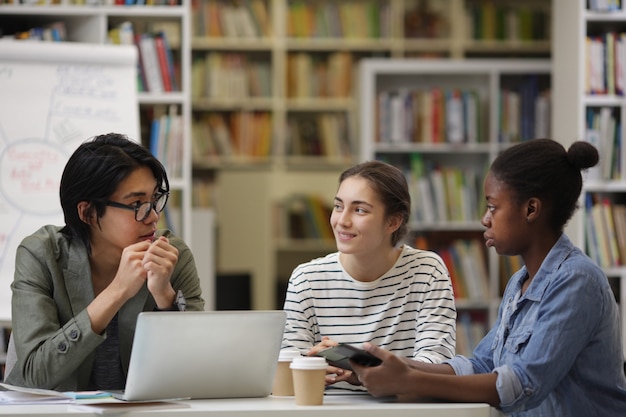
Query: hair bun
pixel 582 155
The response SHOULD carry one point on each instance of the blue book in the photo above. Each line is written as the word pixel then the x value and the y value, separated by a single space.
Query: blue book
pixel 154 137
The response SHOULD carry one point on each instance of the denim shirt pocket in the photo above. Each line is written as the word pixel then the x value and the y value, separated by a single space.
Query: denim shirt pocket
pixel 516 341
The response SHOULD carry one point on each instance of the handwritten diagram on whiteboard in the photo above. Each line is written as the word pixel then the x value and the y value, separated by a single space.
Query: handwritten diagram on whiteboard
pixel 52 98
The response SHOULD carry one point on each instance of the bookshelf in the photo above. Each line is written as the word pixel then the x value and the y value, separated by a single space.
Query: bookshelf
pixel 99 24
pixel 285 68
pixel 290 96
pixel 442 122
pixel 589 105
pixel 95 23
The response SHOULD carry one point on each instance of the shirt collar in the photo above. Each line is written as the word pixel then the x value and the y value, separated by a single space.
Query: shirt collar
pixel 557 255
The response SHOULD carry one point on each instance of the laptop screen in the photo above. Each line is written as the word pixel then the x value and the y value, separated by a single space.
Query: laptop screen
pixel 208 354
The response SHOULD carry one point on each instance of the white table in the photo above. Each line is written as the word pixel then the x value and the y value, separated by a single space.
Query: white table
pixel 334 405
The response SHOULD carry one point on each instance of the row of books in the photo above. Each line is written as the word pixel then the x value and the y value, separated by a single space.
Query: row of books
pixel 426 19
pixel 166 138
pixel 508 265
pixel 467 264
pixel 52 32
pixel 220 137
pixel 454 248
pixel 443 193
pixel 605 64
pixel 157 70
pixel 522 118
pixel 605 228
pixel 324 134
pixel 347 19
pixel 604 5
pixel 227 18
pixel 429 116
pixel 524 111
pixel 471 327
pixel 487 20
pixel 303 216
pixel 603 130
pixel 93 2
pixel 311 75
pixel 217 137
pixel 457 116
pixel 230 76
pixel 132 2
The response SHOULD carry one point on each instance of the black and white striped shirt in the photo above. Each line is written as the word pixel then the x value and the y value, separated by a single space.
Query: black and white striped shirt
pixel 409 310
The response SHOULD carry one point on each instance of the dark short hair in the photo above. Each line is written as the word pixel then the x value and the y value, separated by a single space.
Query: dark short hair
pixel 391 186
pixel 93 173
pixel 542 168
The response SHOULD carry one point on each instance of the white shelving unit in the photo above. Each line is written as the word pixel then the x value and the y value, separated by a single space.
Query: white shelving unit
pixel 485 80
pixel 293 52
pixel 268 179
pixel 573 102
pixel 90 24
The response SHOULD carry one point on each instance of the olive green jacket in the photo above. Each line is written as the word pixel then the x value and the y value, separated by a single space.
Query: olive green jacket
pixel 52 288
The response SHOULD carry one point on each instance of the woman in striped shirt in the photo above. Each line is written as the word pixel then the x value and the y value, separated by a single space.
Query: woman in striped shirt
pixel 374 288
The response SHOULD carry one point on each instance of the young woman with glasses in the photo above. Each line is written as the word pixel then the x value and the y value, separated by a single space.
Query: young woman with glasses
pixel 78 288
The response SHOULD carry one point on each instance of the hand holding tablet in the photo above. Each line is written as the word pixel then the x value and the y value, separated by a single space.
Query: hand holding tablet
pixel 341 355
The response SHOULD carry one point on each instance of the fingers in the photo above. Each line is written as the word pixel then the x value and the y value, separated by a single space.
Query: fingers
pixel 333 370
pixel 131 270
pixel 159 262
pixel 330 379
pixel 382 380
pixel 145 261
pixel 324 344
pixel 334 375
pixel 161 252
pixel 362 372
pixel 380 353
pixel 347 376
pixel 161 257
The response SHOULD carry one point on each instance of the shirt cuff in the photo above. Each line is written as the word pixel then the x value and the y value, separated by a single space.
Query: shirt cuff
pixel 508 385
pixel 461 365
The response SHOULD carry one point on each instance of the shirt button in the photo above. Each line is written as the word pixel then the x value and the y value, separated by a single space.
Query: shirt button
pixel 74 335
pixel 62 347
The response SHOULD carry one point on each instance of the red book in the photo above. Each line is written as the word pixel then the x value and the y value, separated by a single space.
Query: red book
pixel 161 49
pixel 457 284
pixel 438 115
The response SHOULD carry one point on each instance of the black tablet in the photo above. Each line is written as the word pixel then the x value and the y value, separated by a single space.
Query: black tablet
pixel 341 355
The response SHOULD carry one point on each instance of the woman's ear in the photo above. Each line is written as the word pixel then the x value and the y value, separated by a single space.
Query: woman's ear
pixel 533 209
pixel 84 212
pixel 394 222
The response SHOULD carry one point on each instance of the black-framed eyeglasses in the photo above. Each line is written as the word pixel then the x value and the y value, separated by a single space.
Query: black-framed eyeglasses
pixel 142 210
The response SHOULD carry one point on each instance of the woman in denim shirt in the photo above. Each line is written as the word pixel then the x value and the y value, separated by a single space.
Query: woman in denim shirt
pixel 555 349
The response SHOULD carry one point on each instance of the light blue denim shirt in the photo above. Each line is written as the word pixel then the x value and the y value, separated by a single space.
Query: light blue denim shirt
pixel 556 348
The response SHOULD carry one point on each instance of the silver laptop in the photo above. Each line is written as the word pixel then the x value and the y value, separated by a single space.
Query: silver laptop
pixel 207 354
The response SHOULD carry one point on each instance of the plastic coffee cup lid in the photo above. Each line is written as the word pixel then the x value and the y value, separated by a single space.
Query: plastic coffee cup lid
pixel 308 362
pixel 288 355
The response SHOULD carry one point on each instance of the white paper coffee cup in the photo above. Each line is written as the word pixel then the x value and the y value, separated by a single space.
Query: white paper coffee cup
pixel 283 379
pixel 309 374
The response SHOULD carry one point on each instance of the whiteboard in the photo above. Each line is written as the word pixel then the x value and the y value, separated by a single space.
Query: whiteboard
pixel 53 96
